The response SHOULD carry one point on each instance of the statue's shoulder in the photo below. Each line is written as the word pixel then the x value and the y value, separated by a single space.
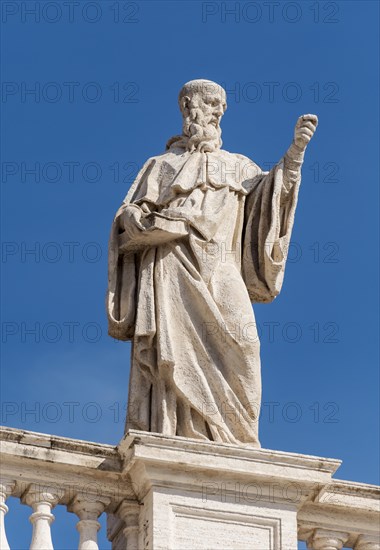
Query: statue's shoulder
pixel 155 158
pixel 168 155
pixel 162 158
pixel 244 162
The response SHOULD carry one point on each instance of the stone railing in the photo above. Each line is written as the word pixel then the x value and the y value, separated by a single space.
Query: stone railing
pixel 44 471
pixel 341 513
pixel 173 493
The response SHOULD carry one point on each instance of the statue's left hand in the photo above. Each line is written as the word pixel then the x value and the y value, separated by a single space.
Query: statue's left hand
pixel 304 130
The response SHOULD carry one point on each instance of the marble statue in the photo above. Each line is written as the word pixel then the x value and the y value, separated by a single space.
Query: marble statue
pixel 201 235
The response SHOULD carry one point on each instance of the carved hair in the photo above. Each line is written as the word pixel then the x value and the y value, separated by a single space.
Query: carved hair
pixel 197 133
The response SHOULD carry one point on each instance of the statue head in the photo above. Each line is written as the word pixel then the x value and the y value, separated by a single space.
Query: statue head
pixel 202 104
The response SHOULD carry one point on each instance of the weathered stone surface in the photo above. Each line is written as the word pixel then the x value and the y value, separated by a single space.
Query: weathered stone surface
pixel 176 493
pixel 207 495
pixel 201 234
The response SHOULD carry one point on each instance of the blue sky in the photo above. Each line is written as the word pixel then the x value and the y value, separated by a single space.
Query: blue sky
pixel 106 77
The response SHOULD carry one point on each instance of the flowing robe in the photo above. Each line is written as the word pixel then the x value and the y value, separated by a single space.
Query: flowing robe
pixel 216 236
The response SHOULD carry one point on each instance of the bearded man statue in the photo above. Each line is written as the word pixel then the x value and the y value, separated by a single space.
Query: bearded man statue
pixel 201 235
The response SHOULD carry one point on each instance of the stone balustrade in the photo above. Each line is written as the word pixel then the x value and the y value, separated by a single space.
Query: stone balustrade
pixel 158 491
pixel 342 514
pixel 45 471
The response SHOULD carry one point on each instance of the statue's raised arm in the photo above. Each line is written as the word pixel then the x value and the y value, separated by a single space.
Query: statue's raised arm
pixel 269 217
pixel 303 132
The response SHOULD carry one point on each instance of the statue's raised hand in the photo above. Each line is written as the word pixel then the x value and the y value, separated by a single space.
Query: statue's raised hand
pixel 304 130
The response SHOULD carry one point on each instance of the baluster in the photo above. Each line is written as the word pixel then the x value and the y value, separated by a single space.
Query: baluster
pixel 42 499
pixel 6 489
pixel 324 539
pixel 129 512
pixel 367 542
pixel 88 510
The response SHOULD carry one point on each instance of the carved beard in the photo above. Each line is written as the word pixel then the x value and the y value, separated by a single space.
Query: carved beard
pixel 198 134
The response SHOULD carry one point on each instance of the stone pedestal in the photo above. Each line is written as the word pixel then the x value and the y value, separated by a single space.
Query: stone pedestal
pixel 178 494
pixel 204 495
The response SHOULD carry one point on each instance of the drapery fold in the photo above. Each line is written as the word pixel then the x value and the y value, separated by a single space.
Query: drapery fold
pixel 186 303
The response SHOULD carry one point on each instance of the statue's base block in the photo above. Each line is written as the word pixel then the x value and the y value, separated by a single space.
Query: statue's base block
pixel 202 495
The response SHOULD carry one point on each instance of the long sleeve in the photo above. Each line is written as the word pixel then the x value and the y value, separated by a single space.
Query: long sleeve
pixel 122 285
pixel 269 217
pixel 293 160
pixel 122 272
